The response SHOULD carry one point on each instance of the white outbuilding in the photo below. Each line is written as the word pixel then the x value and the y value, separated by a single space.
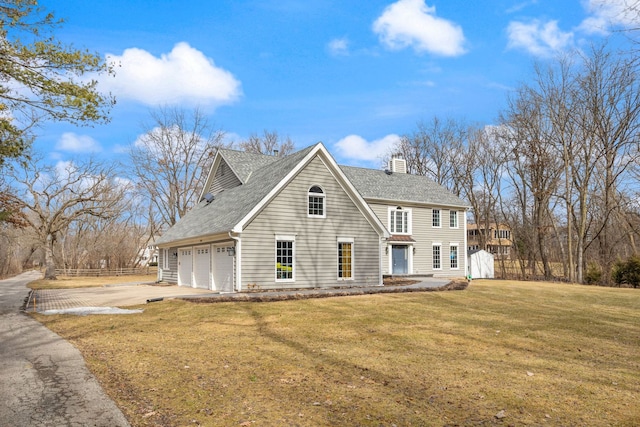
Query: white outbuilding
pixel 480 264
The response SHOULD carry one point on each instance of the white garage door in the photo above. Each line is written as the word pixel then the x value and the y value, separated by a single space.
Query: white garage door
pixel 223 268
pixel 185 266
pixel 201 267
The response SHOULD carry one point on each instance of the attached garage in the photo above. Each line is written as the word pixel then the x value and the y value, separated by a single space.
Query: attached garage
pixel 202 267
pixel 223 267
pixel 185 266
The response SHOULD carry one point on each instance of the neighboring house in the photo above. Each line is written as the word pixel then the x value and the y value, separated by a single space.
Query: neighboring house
pixel 302 221
pixel 497 239
pixel 147 254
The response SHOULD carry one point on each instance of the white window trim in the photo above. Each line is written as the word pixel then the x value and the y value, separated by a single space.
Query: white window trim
pixel 353 256
pixel 457 246
pixel 324 201
pixel 165 258
pixel 457 226
pixel 439 218
pixel 284 238
pixel 409 220
pixel 439 244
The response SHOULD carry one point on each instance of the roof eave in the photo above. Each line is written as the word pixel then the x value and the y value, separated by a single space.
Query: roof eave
pixel 191 241
pixel 413 202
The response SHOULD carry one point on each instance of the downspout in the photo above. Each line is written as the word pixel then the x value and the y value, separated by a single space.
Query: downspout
pixel 236 237
pixel 381 243
pixel 467 272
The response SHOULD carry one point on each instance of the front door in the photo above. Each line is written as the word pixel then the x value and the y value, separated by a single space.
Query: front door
pixel 400 259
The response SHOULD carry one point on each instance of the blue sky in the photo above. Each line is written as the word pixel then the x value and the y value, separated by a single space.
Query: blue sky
pixel 352 74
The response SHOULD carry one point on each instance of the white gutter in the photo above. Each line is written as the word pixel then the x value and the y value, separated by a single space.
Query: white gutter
pixel 238 259
pixel 382 242
pixel 465 250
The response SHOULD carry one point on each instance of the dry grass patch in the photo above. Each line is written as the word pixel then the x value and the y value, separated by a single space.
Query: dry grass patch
pixel 65 282
pixel 497 353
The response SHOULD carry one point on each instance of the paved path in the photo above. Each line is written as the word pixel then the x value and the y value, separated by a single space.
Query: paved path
pixel 107 296
pixel 43 379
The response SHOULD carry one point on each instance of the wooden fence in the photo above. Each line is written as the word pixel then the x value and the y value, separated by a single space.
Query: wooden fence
pixel 98 272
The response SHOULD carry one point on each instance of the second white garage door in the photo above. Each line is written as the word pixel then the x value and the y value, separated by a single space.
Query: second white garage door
pixel 201 267
pixel 223 268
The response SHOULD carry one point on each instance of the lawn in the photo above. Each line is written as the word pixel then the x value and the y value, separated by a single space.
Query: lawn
pixel 64 282
pixel 505 353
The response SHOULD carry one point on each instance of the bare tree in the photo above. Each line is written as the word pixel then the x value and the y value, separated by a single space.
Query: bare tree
pixel 104 242
pixel 534 169
pixel 479 176
pixel 54 197
pixel 610 91
pixel 269 143
pixel 573 131
pixel 170 161
pixel 434 150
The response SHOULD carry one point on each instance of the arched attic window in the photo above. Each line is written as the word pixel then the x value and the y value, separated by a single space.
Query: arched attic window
pixel 316 198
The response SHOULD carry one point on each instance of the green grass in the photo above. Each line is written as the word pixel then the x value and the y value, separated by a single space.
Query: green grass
pixel 542 353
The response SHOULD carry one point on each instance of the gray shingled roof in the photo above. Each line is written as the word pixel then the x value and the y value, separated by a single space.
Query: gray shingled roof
pixel 230 206
pixel 243 163
pixel 370 183
pixel 400 187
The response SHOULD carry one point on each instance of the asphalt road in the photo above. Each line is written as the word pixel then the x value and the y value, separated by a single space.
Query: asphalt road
pixel 43 379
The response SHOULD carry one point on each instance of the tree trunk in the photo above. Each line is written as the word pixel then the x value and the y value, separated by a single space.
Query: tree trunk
pixel 50 270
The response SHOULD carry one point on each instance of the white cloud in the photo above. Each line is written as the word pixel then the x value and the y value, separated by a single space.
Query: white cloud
pixel 605 14
pixel 357 148
pixel 65 169
pixel 339 47
pixel 231 138
pixel 519 6
pixel 183 75
pixel 412 23
pixel 538 38
pixel 74 143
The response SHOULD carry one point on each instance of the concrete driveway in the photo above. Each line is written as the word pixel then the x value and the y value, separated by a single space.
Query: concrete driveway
pixel 106 296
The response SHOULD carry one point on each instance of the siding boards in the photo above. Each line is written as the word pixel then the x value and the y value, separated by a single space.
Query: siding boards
pixel 425 235
pixel 316 263
pixel 170 272
pixel 223 180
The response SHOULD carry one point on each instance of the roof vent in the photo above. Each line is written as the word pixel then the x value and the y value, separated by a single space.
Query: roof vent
pixel 388 172
pixel 209 197
pixel 397 164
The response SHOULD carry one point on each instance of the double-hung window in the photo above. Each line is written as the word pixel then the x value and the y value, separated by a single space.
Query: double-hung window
pixel 285 258
pixel 437 256
pixel 316 202
pixel 453 257
pixel 435 222
pixel 345 259
pixel 453 219
pixel 400 221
